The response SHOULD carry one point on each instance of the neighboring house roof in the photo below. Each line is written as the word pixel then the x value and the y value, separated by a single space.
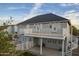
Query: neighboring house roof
pixel 45 18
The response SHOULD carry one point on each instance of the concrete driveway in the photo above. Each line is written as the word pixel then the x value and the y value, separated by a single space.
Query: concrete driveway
pixel 46 51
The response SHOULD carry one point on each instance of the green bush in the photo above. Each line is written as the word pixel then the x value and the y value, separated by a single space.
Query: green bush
pixel 27 54
pixel 6 47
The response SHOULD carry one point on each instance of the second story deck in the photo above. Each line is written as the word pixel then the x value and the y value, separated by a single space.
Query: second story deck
pixel 41 34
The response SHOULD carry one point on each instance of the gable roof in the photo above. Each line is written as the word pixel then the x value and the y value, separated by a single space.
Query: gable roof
pixel 44 18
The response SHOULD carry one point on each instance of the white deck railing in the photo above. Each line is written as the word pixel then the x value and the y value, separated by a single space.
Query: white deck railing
pixel 30 32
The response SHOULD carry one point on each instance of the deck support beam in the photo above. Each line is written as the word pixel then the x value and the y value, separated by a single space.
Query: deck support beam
pixel 63 47
pixel 41 46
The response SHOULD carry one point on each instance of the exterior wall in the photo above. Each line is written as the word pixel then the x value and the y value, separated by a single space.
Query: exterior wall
pixel 24 29
pixel 36 41
pixel 12 29
pixel 52 43
pixel 15 28
pixel 25 43
pixel 68 40
pixel 49 28
pixel 21 29
pixel 28 30
pixel 56 28
pixel 28 43
pixel 68 32
pixel 74 42
pixel 78 39
pixel 49 43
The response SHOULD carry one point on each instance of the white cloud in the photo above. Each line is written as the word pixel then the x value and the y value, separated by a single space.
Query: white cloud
pixel 14 8
pixel 73 15
pixel 34 11
pixel 11 8
pixel 69 4
pixel 37 11
pixel 63 5
pixel 70 12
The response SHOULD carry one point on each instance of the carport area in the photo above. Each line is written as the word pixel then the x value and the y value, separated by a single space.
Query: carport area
pixel 46 46
pixel 46 51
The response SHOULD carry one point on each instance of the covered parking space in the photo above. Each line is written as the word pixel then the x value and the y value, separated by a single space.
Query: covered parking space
pixel 46 51
pixel 41 50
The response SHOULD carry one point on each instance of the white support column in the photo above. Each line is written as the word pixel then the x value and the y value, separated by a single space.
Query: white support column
pixel 41 46
pixel 71 38
pixel 62 47
pixel 27 38
pixel 32 42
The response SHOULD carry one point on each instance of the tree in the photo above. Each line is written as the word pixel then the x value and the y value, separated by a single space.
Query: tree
pixel 5 43
pixel 6 46
pixel 75 31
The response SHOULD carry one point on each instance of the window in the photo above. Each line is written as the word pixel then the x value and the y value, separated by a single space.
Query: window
pixel 38 27
pixel 54 28
pixel 55 41
pixel 60 41
pixel 34 26
pixel 51 26
pixel 31 26
pixel 30 39
pixel 49 41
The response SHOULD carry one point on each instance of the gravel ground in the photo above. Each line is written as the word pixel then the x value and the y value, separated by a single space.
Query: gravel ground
pixel 75 52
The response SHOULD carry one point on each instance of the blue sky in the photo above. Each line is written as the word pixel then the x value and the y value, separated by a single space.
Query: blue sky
pixel 14 9
pixel 20 9
pixel 23 11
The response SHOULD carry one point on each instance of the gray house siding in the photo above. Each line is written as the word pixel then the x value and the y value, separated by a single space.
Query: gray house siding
pixel 52 43
pixel 49 43
pixel 43 28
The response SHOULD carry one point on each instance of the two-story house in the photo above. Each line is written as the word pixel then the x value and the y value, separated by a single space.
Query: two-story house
pixel 47 31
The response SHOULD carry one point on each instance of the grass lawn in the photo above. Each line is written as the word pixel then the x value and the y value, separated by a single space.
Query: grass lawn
pixel 18 53
pixel 24 53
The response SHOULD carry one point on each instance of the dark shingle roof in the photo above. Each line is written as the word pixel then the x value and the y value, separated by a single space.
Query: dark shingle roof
pixel 44 18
